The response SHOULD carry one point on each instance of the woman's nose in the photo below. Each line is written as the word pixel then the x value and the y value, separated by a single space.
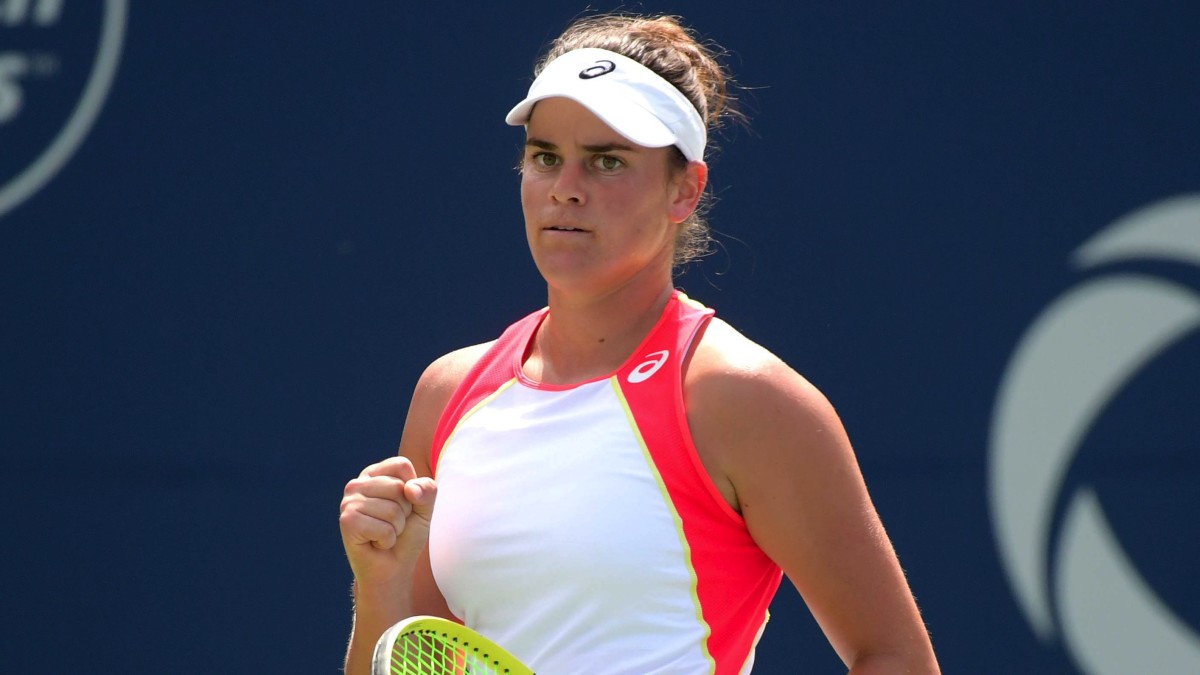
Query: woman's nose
pixel 568 186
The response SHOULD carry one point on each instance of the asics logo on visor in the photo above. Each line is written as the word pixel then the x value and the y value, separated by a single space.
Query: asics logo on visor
pixel 602 67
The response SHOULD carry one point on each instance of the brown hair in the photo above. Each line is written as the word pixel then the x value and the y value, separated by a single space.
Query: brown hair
pixel 665 46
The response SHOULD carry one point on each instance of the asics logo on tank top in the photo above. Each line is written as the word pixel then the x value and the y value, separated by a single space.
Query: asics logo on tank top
pixel 650 366
pixel 602 67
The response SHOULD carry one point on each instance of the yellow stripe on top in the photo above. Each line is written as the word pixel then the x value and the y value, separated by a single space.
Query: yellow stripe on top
pixel 666 497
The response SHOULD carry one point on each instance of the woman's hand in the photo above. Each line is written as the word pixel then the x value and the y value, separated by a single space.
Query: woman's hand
pixel 384 520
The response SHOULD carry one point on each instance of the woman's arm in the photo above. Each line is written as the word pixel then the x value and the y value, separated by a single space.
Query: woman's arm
pixel 775 444
pixel 385 516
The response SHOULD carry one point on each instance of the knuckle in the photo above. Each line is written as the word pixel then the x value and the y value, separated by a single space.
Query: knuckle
pixel 348 519
pixel 353 486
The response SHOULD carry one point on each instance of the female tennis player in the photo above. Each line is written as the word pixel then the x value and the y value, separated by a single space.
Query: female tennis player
pixel 618 483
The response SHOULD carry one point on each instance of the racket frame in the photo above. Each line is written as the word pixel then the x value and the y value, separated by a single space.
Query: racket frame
pixel 454 635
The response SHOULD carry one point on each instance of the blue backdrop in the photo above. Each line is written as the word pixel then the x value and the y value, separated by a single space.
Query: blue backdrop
pixel 235 233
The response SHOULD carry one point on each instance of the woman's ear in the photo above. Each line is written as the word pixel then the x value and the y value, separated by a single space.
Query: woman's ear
pixel 687 187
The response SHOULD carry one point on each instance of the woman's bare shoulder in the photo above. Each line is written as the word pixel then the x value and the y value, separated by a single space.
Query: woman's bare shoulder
pixel 745 399
pixel 448 370
pixel 433 391
pixel 725 357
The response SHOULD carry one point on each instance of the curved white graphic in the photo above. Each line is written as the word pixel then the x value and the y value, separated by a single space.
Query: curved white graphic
pixel 1113 620
pixel 650 366
pixel 52 159
pixel 1070 363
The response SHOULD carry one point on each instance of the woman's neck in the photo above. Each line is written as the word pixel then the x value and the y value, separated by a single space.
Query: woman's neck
pixel 583 338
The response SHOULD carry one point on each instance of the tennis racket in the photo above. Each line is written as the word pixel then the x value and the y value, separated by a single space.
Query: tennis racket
pixel 427 645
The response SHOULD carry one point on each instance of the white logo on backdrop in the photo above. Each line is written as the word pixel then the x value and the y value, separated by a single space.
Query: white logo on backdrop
pixel 1070 363
pixel 19 68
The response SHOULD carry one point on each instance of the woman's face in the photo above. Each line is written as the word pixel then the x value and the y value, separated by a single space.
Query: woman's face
pixel 600 211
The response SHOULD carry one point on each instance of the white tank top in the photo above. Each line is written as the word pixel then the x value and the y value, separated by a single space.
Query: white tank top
pixel 576 526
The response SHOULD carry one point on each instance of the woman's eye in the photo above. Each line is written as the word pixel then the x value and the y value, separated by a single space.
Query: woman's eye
pixel 545 160
pixel 608 163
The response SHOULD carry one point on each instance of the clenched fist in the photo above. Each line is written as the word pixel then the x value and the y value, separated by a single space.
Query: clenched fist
pixel 384 519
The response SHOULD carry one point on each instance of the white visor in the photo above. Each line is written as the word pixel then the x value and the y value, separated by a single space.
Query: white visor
pixel 627 96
